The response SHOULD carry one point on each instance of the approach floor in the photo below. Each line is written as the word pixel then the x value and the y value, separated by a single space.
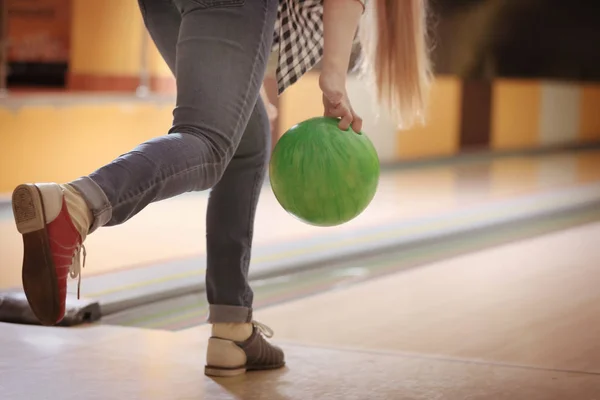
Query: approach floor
pixel 518 321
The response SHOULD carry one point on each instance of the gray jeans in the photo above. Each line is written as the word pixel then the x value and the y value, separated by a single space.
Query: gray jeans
pixel 218 52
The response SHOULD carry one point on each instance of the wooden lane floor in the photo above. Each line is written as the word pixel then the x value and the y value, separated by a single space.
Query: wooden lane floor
pixel 533 303
pixel 191 309
pixel 98 363
pixel 174 229
pixel 517 322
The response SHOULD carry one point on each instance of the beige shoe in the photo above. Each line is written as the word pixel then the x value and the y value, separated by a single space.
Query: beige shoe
pixel 226 357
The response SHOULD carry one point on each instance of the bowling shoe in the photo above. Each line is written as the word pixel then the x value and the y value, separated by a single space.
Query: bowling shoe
pixel 53 220
pixel 229 356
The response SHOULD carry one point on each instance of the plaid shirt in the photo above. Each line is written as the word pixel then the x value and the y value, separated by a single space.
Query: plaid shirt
pixel 298 39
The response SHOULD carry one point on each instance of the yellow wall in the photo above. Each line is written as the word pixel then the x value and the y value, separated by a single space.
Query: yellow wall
pixel 107 40
pixel 299 102
pixel 440 135
pixel 156 65
pixel 515 114
pixel 106 37
pixel 46 143
pixel 61 137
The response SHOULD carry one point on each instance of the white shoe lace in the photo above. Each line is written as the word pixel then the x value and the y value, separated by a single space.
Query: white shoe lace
pixel 76 266
pixel 264 329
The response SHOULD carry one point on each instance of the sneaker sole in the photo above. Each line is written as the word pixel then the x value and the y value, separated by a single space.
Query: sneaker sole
pixel 229 372
pixel 39 273
pixel 223 372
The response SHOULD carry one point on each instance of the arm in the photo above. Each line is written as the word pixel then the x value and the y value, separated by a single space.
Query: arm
pixel 340 23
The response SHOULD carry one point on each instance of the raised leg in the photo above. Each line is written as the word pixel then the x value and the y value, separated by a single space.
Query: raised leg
pixel 221 57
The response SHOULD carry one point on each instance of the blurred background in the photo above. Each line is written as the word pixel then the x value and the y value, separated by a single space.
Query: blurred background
pixel 486 220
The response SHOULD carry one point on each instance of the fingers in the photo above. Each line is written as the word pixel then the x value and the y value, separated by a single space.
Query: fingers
pixel 357 122
pixel 343 111
pixel 346 119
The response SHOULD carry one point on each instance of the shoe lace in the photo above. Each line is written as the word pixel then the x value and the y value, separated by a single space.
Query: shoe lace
pixel 77 265
pixel 264 329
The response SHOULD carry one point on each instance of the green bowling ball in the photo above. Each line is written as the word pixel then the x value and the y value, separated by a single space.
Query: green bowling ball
pixel 323 175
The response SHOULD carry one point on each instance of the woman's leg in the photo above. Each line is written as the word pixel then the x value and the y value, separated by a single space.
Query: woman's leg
pixel 230 222
pixel 221 56
pixel 233 200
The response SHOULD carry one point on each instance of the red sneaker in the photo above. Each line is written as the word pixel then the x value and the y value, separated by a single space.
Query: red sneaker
pixel 52 246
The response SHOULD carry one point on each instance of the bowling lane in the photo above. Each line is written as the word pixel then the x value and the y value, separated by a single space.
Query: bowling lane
pixel 534 303
pixel 174 229
pixel 517 321
pixel 96 363
pixel 191 309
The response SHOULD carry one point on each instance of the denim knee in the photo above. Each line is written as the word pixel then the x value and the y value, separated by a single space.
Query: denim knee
pixel 215 155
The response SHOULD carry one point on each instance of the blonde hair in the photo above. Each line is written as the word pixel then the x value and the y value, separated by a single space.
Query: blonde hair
pixel 394 38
